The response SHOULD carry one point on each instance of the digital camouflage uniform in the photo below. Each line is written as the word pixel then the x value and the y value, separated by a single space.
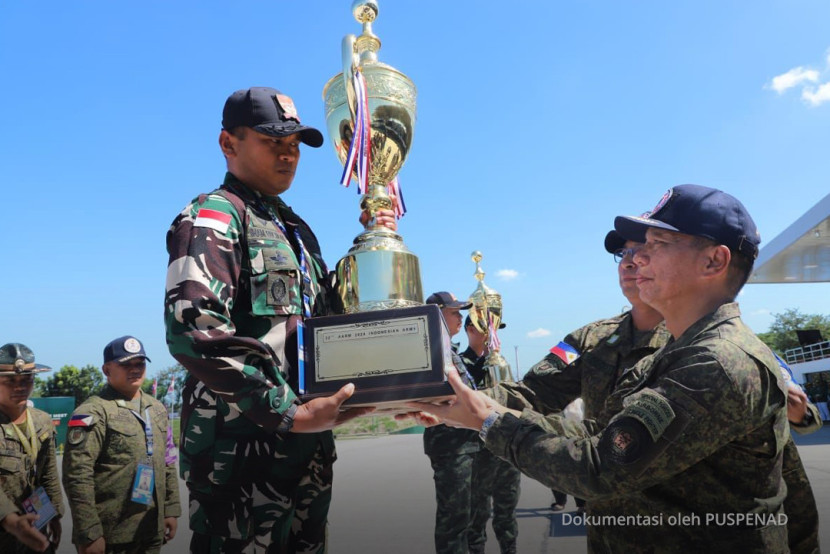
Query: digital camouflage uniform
pixel 697 429
pixel 100 463
pixel 607 348
pixel 492 478
pixel 233 304
pixel 451 453
pixel 20 476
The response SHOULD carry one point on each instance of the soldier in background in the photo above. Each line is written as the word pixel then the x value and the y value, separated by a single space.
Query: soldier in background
pixel 492 477
pixel 123 495
pixel 451 453
pixel 27 457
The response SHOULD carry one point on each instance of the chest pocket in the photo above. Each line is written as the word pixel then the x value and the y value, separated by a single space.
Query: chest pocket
pixel 275 273
pixel 122 433
pixel 11 462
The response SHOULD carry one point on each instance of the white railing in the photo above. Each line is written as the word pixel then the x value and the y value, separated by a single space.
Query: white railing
pixel 808 353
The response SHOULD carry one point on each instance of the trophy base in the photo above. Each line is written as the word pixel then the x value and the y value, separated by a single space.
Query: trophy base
pixel 379 273
pixel 392 357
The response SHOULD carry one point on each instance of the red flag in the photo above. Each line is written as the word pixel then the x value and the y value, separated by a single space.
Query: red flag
pixel 170 389
pixel 155 386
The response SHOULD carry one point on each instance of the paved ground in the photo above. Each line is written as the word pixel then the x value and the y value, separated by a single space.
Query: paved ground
pixel 384 502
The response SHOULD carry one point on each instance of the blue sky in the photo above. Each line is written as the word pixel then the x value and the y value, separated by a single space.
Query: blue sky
pixel 538 122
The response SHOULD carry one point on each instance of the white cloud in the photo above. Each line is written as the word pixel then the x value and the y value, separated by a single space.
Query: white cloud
pixel 538 333
pixel 507 274
pixel 817 96
pixel 761 311
pixel 792 78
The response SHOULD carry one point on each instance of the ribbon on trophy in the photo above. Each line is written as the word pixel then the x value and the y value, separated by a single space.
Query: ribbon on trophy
pixel 394 190
pixel 359 158
pixel 360 148
pixel 495 343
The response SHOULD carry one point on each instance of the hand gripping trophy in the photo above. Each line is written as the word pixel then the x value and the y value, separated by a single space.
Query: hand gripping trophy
pixel 388 343
pixel 486 314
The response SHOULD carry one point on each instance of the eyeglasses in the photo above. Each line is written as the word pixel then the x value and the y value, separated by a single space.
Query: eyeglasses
pixel 623 253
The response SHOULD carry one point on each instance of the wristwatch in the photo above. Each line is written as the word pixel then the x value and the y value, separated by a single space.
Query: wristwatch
pixel 488 422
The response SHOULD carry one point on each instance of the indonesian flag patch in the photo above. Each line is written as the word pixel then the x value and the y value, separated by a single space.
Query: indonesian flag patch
pixel 565 352
pixel 81 420
pixel 218 221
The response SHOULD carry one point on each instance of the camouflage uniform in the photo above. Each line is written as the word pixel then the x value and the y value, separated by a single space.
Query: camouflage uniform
pixel 698 429
pixel 233 303
pixel 492 478
pixel 451 453
pixel 100 463
pixel 607 347
pixel 16 469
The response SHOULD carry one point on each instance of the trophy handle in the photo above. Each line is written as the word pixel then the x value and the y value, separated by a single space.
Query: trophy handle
pixel 347 50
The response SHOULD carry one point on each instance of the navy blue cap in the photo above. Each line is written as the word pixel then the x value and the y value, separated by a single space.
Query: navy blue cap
pixel 267 111
pixel 614 241
pixel 124 348
pixel 698 211
pixel 446 299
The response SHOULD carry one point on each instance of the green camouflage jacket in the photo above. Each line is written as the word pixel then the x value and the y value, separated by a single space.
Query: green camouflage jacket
pixel 692 453
pixel 607 348
pixel 232 307
pixel 16 469
pixel 100 463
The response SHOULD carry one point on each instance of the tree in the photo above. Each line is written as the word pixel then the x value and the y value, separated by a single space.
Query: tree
pixel 781 335
pixel 71 381
pixel 178 374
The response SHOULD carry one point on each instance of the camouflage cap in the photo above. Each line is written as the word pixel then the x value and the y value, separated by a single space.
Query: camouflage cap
pixel 18 359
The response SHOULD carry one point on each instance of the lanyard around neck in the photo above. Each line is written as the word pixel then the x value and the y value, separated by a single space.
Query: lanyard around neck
pixel 30 446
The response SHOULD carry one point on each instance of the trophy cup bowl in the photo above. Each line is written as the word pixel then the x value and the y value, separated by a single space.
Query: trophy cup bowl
pixel 379 272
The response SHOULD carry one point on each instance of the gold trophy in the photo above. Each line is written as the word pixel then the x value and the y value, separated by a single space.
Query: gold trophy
pixel 379 272
pixel 486 314
pixel 388 343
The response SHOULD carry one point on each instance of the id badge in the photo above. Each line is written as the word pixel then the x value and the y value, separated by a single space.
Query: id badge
pixel 143 485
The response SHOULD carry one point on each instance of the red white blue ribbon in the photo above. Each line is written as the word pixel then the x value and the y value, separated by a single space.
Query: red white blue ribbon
pixel 495 343
pixel 358 159
pixel 394 190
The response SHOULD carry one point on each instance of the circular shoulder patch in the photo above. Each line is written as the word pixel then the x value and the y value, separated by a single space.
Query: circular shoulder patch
pixel 624 442
pixel 76 436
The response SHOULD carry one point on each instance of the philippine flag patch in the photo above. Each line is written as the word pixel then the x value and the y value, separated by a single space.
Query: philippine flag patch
pixel 81 420
pixel 218 221
pixel 565 352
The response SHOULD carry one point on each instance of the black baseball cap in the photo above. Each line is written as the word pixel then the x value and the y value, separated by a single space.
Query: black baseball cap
pixel 446 299
pixel 124 348
pixel 698 211
pixel 614 241
pixel 267 111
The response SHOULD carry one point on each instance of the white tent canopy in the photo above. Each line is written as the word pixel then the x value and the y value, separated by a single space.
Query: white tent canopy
pixel 801 253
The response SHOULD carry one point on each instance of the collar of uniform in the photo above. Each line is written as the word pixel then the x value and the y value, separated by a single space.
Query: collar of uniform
pixel 250 195
pixel 723 313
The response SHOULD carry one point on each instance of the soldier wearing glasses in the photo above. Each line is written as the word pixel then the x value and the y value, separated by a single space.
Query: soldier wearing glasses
pixel 27 457
pixel 123 496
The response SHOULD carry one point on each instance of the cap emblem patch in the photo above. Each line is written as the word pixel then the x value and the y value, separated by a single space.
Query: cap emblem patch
pixel 132 346
pixel 287 105
pixel 663 201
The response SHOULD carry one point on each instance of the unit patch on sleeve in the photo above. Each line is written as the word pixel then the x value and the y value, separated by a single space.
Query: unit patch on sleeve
pixel 651 409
